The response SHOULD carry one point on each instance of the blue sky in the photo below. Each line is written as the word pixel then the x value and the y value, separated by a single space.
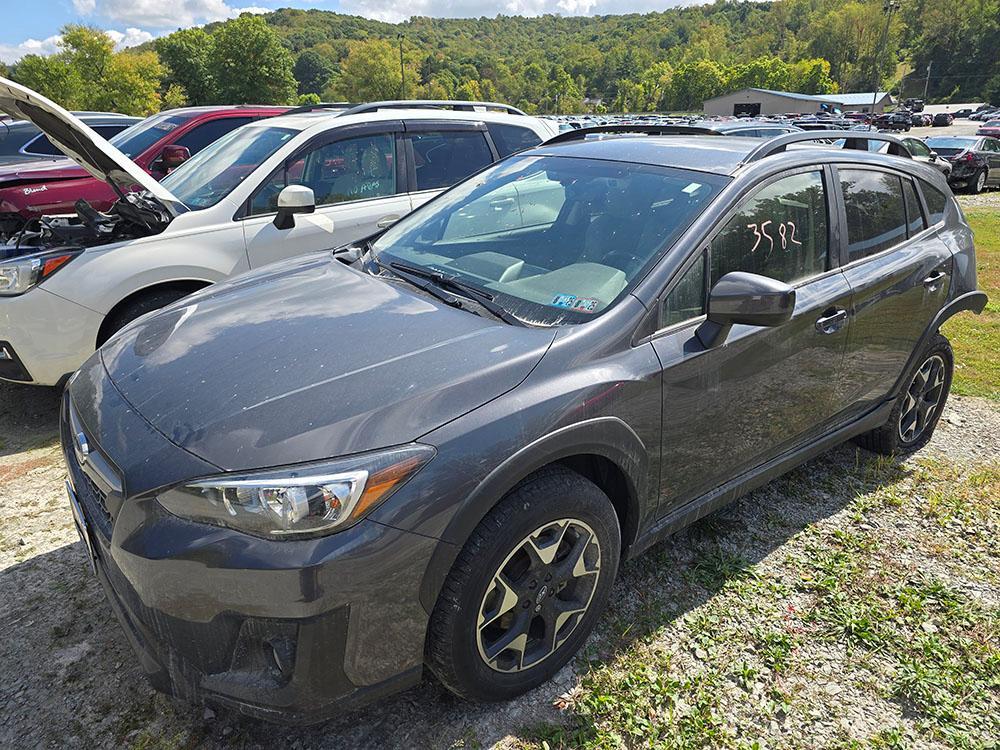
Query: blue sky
pixel 34 27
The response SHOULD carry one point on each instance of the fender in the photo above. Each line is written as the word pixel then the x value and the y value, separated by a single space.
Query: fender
pixel 608 437
pixel 974 301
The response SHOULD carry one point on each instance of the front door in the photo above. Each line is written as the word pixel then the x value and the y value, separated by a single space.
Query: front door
pixel 732 407
pixel 359 188
pixel 899 272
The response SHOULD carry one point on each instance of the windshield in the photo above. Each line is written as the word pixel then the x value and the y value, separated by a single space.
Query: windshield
pixel 949 145
pixel 213 173
pixel 553 239
pixel 136 139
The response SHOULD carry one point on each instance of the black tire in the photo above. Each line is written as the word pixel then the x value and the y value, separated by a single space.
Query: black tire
pixel 975 186
pixel 454 642
pixel 138 307
pixel 888 439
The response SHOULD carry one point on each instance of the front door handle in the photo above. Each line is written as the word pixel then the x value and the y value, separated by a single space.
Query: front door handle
pixel 387 221
pixel 932 281
pixel 832 321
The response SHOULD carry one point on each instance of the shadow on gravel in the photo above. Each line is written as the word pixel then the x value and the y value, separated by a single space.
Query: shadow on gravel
pixel 63 652
pixel 29 417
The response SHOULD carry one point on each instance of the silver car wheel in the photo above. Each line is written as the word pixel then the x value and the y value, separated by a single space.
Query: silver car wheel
pixel 538 595
pixel 922 399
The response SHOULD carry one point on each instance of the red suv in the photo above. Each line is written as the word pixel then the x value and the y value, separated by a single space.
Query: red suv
pixel 158 144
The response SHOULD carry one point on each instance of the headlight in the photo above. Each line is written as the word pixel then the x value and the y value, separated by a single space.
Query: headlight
pixel 20 274
pixel 300 500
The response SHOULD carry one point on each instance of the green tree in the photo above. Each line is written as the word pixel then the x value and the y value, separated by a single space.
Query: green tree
pixel 370 72
pixel 186 54
pixel 250 64
pixel 562 94
pixel 312 71
pixel 695 82
pixel 52 77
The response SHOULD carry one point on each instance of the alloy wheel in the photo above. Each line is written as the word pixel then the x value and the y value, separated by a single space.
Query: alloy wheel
pixel 922 400
pixel 538 595
pixel 980 181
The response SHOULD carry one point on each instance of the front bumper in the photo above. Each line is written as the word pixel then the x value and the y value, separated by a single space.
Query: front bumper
pixel 291 631
pixel 50 335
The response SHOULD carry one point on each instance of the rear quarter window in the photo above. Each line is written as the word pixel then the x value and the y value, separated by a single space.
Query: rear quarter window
pixel 936 201
pixel 510 139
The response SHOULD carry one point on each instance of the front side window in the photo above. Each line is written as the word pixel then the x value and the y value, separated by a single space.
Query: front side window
pixel 686 299
pixel 205 179
pixel 553 239
pixel 445 157
pixel 876 218
pixel 780 232
pixel 917 148
pixel 349 170
pixel 207 133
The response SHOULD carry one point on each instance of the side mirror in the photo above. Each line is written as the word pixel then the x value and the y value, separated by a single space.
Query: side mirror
pixel 745 299
pixel 173 156
pixel 934 154
pixel 293 199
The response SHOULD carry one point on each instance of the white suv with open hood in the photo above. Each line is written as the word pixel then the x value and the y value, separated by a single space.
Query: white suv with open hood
pixel 312 179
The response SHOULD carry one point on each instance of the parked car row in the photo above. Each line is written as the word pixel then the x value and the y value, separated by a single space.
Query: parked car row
pixel 496 368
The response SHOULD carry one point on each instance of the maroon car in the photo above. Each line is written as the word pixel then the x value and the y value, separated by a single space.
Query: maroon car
pixel 990 128
pixel 158 144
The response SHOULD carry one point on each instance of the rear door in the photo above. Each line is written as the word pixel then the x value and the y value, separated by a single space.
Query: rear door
pixel 898 269
pixel 991 150
pixel 359 182
pixel 441 153
pixel 730 408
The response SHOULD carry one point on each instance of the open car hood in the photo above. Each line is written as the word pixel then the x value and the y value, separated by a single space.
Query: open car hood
pixel 82 144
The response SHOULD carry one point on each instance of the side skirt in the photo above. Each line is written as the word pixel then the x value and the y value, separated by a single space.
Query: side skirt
pixel 751 480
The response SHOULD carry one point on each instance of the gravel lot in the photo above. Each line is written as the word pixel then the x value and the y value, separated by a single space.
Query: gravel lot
pixel 71 680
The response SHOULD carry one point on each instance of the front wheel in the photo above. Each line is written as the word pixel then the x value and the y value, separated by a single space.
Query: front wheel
pixel 526 589
pixel 918 407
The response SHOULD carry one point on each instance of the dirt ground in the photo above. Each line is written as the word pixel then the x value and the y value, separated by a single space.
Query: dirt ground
pixel 69 678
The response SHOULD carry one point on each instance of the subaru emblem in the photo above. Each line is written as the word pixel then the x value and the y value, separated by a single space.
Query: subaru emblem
pixel 82 446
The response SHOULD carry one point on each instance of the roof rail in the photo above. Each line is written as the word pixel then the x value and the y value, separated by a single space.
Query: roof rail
pixel 454 104
pixel 319 105
pixel 581 133
pixel 853 139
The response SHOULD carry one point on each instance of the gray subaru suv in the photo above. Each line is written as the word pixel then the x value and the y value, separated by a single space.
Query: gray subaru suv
pixel 301 487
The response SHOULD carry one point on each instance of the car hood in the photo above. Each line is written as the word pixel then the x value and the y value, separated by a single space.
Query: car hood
pixel 310 360
pixel 82 144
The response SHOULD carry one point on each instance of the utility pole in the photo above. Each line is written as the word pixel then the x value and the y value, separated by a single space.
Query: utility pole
pixel 887 7
pixel 402 70
pixel 927 80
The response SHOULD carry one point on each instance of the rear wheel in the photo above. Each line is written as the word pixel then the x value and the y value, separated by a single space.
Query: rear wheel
pixel 918 407
pixel 527 588
pixel 978 182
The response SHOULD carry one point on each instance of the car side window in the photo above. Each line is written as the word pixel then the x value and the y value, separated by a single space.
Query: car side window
pixel 918 148
pixel 686 299
pixel 914 216
pixel 876 218
pixel 445 157
pixel 936 202
pixel 512 138
pixel 209 132
pixel 352 169
pixel 779 232
pixel 991 145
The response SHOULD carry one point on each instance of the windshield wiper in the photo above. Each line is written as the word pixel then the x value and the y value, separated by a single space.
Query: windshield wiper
pixel 483 299
pixel 418 281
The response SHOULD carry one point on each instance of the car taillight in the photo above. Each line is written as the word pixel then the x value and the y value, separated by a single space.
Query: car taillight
pixel 969 157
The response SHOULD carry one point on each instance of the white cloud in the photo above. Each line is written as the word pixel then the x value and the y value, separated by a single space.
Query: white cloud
pixel 392 10
pixel 160 15
pixel 129 38
pixel 12 52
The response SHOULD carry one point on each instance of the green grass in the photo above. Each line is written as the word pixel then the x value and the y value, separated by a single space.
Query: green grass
pixel 976 338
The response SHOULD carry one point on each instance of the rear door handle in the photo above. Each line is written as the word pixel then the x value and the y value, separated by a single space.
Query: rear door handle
pixel 387 221
pixel 932 281
pixel 832 321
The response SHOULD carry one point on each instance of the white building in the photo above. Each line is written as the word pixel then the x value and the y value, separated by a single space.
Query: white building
pixel 753 102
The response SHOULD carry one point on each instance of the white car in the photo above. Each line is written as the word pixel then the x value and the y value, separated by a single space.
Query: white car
pixel 309 180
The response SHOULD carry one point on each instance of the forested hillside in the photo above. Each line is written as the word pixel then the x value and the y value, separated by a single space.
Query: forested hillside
pixel 671 60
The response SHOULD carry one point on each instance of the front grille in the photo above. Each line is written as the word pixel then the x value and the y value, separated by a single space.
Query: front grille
pixel 88 493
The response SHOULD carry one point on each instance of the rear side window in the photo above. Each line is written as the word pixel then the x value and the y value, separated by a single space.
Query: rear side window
pixel 42 146
pixel 936 202
pixel 202 135
pixel 876 218
pixel 914 216
pixel 512 138
pixel 445 157
pixel 780 232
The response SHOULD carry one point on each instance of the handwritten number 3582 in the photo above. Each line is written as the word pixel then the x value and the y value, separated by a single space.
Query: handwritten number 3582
pixel 786 232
